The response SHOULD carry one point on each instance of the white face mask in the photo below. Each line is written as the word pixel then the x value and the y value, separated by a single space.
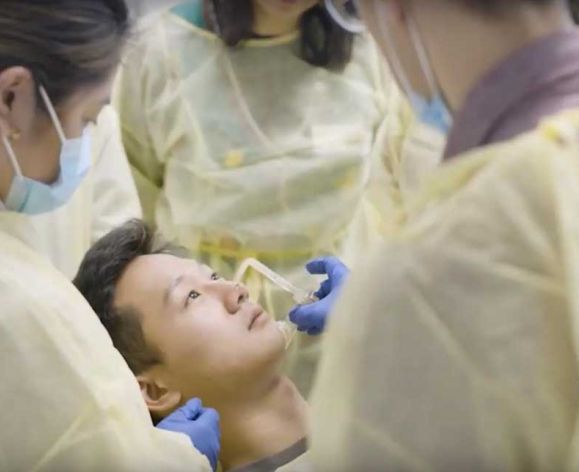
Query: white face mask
pixel 433 111
pixel 32 197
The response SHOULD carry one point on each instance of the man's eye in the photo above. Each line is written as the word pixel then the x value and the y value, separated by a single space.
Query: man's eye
pixel 192 295
pixel 215 276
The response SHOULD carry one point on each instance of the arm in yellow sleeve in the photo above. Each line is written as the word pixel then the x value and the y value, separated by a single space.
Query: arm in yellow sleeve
pixel 71 402
pixel 454 346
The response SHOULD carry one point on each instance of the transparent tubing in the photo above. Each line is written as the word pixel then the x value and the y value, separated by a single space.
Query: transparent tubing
pixel 300 296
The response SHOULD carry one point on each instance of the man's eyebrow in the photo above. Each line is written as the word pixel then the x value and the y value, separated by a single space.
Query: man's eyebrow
pixel 172 286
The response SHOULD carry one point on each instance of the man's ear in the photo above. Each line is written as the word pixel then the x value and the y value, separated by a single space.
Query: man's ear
pixel 160 400
pixel 17 100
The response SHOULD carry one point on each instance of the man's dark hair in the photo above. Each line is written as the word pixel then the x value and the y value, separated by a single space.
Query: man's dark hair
pixel 98 276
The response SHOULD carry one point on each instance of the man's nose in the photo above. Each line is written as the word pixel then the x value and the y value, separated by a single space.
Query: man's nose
pixel 233 295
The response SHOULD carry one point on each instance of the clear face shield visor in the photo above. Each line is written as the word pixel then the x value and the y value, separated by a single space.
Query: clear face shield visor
pixel 346 13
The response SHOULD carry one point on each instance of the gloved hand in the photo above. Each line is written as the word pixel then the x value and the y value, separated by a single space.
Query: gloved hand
pixel 200 424
pixel 312 317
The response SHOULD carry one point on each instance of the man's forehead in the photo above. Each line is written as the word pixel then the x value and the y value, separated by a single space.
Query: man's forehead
pixel 168 264
pixel 154 272
pixel 170 268
pixel 177 266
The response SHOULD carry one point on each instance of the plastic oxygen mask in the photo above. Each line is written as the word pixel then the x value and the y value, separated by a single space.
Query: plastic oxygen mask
pixel 300 296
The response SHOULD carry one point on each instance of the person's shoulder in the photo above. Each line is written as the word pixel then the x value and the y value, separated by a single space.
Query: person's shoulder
pixel 18 258
pixel 30 289
pixel 516 200
pixel 532 160
pixel 176 22
pixel 163 35
pixel 28 276
pixel 535 159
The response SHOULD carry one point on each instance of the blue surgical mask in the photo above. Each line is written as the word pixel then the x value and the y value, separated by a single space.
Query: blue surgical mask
pixel 33 197
pixel 434 111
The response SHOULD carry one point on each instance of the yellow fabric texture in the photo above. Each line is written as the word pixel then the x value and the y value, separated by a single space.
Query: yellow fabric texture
pixel 69 400
pixel 455 346
pixel 251 152
pixel 106 198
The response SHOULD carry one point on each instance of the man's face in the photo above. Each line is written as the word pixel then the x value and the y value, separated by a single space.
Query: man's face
pixel 213 340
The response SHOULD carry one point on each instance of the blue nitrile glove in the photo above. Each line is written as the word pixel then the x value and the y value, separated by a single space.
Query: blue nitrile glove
pixel 200 424
pixel 312 317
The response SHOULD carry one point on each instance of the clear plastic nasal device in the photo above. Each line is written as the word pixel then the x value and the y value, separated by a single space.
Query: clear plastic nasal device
pixel 300 296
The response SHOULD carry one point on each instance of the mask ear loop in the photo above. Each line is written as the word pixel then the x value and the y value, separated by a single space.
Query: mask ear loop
pixel 423 60
pixel 393 56
pixel 55 121
pixel 12 156
pixel 53 115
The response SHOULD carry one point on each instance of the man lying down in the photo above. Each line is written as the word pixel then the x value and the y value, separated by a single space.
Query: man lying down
pixel 185 332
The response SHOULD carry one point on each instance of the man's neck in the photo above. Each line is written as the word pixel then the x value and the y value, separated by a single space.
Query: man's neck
pixel 255 430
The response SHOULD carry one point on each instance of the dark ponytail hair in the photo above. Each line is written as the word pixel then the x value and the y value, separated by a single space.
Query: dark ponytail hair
pixel 66 44
pixel 323 42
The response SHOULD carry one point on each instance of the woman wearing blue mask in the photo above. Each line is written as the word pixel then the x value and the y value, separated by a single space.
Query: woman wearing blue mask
pixel 454 346
pixel 106 198
pixel 71 403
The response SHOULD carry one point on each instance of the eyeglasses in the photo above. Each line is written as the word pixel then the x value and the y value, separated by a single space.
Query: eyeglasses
pixel 346 14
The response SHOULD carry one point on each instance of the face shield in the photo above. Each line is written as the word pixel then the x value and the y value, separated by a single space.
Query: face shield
pixel 346 14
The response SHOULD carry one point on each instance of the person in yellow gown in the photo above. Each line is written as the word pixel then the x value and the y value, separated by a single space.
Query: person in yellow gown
pixel 106 198
pixel 70 400
pixel 454 346
pixel 246 120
